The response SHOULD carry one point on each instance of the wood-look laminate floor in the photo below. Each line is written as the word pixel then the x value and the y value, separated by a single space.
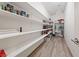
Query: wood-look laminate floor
pixel 56 47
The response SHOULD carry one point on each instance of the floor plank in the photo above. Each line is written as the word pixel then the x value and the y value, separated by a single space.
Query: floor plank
pixel 56 47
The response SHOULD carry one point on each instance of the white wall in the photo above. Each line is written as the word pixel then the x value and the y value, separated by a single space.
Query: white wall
pixel 69 28
pixel 77 19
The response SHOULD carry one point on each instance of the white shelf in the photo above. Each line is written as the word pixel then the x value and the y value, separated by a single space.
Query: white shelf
pixel 19 33
pixel 9 15
pixel 24 47
pixel 47 24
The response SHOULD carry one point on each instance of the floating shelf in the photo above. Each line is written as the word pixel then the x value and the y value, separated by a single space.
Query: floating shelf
pixel 20 33
pixel 24 46
pixel 47 24
pixel 15 50
pixel 9 15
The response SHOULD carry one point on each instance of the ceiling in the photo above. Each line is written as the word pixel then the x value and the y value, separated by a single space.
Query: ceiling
pixel 53 7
